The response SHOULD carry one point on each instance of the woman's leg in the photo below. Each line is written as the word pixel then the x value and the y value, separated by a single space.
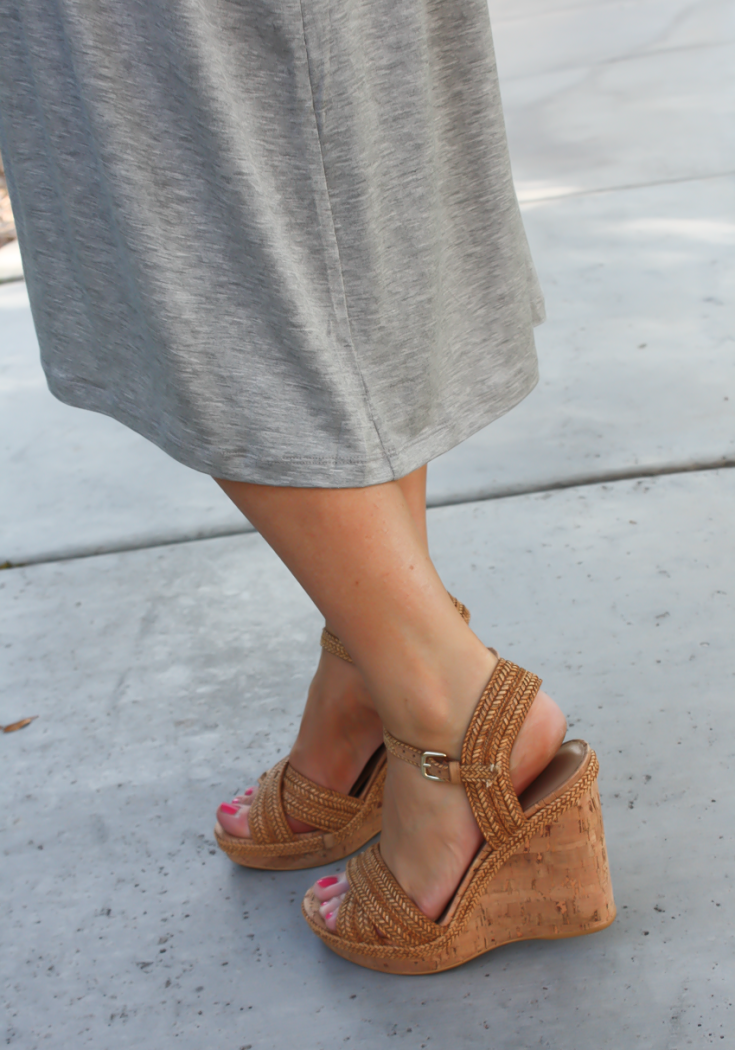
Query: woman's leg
pixel 340 728
pixel 363 561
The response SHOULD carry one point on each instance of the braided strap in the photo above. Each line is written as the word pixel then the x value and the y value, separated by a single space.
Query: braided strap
pixel 283 791
pixel 488 741
pixel 319 806
pixel 332 644
pixel 376 910
pixel 484 768
pixel 267 819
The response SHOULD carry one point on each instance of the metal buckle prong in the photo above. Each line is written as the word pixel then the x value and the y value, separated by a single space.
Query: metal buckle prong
pixel 425 757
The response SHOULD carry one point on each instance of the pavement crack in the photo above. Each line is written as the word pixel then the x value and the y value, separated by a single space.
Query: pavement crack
pixel 480 495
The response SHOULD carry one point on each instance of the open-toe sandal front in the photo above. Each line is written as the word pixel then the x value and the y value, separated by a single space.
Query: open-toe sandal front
pixel 342 823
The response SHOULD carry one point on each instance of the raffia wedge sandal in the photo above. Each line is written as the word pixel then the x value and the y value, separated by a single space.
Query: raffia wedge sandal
pixel 541 873
pixel 342 823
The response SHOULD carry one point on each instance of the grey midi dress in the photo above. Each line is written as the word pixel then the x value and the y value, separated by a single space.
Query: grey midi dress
pixel 279 238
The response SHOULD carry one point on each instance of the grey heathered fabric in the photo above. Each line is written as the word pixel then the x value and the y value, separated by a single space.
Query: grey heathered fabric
pixel 278 238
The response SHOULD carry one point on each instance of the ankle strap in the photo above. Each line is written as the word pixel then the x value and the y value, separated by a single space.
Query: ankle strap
pixel 435 765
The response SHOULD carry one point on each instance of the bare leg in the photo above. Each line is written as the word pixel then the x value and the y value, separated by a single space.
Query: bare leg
pixel 413 487
pixel 340 728
pixel 359 555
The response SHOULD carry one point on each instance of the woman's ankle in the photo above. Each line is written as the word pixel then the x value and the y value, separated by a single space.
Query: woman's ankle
pixel 339 729
pixel 438 699
pixel 439 721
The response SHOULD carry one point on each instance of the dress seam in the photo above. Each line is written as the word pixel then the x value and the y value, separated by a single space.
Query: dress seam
pixel 368 401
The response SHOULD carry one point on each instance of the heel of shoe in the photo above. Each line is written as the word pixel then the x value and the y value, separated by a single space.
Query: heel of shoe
pixel 557 886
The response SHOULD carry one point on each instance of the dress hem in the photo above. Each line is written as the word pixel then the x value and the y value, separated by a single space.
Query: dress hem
pixel 336 471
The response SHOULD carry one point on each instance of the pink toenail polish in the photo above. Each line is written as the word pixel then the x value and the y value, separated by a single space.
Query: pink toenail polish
pixel 330 880
pixel 227 808
pixel 249 791
pixel 329 915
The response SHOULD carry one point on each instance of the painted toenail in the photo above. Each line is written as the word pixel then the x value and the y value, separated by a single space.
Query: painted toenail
pixel 227 808
pixel 249 791
pixel 329 880
pixel 329 915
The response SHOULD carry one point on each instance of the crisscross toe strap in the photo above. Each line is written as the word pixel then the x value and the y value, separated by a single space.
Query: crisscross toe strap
pixel 463 611
pixel 376 911
pixel 282 793
pixel 267 818
pixel 316 805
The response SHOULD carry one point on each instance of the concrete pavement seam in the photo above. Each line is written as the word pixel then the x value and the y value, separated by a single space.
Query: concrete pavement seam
pixel 527 200
pixel 478 496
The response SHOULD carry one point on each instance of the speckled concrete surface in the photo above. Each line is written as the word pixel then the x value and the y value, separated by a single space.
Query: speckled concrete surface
pixel 609 95
pixel 166 678
pixel 637 357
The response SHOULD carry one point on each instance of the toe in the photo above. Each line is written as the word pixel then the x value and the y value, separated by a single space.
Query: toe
pixel 331 886
pixel 329 911
pixel 234 819
pixel 247 798
pixel 330 891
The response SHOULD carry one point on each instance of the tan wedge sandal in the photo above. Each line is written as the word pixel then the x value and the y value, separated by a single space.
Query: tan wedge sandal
pixel 343 823
pixel 542 872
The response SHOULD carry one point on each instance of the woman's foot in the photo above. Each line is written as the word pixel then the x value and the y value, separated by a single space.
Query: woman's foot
pixel 339 731
pixel 429 834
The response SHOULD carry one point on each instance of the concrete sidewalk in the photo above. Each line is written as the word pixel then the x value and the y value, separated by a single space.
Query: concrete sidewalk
pixel 588 531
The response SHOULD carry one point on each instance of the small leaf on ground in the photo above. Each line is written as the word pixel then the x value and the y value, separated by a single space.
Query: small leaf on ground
pixel 18 725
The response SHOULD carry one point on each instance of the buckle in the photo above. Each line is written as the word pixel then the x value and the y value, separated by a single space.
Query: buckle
pixel 426 756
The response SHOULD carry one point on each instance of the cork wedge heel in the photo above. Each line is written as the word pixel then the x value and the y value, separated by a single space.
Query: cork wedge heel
pixel 342 823
pixel 542 872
